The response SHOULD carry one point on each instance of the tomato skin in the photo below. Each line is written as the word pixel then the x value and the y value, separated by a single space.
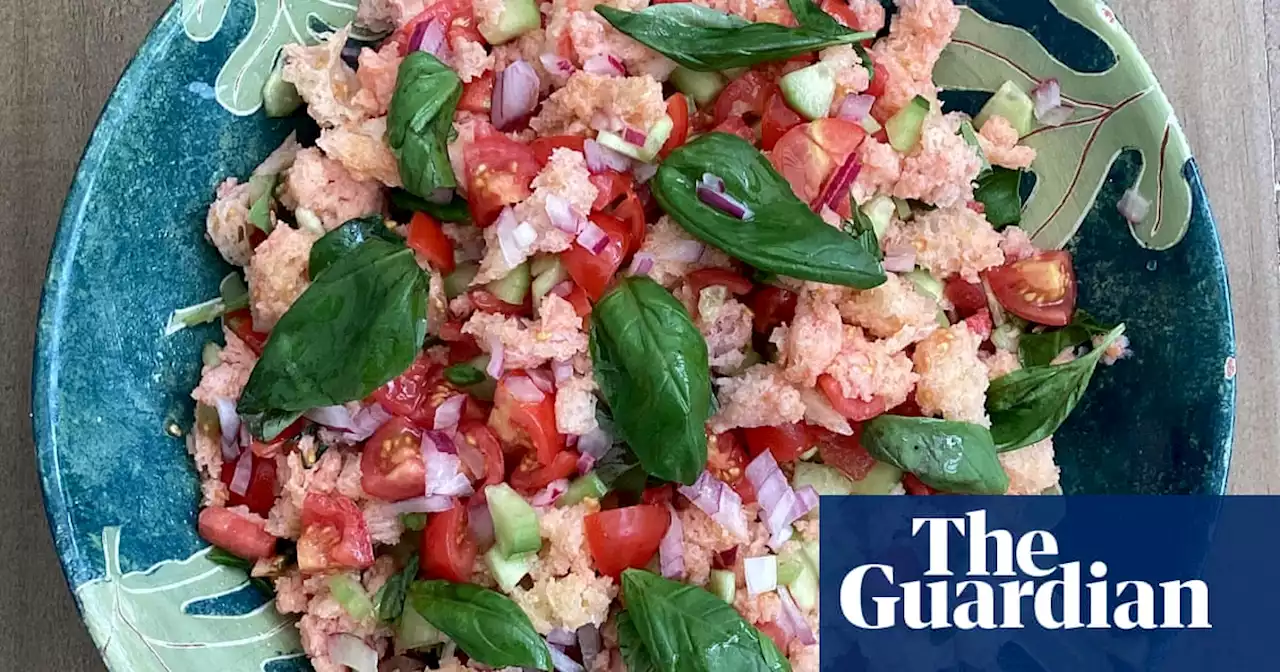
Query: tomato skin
pixel 478 436
pixel 770 307
pixel 774 632
pixel 578 299
pixel 426 237
pixel 610 186
pixel 967 297
pixel 879 81
pixel 486 302
pixel 727 461
pixel 261 493
pixel 631 211
pixel 543 146
pixel 526 424
pixel 843 14
pixel 1041 288
pixel 240 322
pixel 844 452
pixel 499 171
pixel 914 486
pixel 232 531
pixel 710 277
pixel 678 110
pixel 853 409
pixel 627 537
pixel 334 535
pixel 778 119
pixel 786 442
pixel 980 323
pixel 746 95
pixel 736 126
pixel 592 272
pixel 457 16
pixel 448 551
pixel 416 393
pixel 477 94
pixel 391 463
pixel 530 477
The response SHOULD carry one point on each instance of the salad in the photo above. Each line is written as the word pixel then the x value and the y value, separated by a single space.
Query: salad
pixel 552 323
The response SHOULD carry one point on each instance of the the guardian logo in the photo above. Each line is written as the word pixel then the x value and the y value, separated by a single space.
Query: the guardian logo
pixel 1032 591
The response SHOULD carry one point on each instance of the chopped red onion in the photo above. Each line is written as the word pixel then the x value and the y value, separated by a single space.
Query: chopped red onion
pixel 441 441
pixel 444 474
pixel 542 380
pixel 900 258
pixel 601 159
pixel 548 495
pixel 585 463
pixel 561 214
pixel 246 439
pixel 595 442
pixel 429 36
pixel 684 251
pixel 712 182
pixel 761 574
pixel 244 471
pixel 777 499
pixel 589 642
pixel 229 422
pixel 515 95
pixel 562 637
pixel 593 238
pixel 792 620
pixel 365 422
pixel 725 559
pixel 644 172
pixel 513 253
pixel 471 458
pixel 718 500
pixel 426 504
pixel 1133 206
pixel 641 264
pixel 724 202
pixel 352 651
pixel 333 417
pixel 1050 110
pixel 496 352
pixel 480 522
pixel 671 550
pixel 557 65
pixel 605 64
pixel 806 501
pixel 561 660
pixel 855 107
pixel 634 137
pixel 839 183
pixel 450 412
pixel 523 389
pixel 561 369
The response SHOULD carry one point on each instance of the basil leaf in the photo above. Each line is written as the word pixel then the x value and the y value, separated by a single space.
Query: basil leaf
pixel 956 457
pixel 783 235
pixel 1041 349
pixel 999 192
pixel 260 211
pixel 419 121
pixel 651 366
pixel 360 324
pixel 863 230
pixel 267 426
pixel 464 375
pixel 346 238
pixel 456 210
pixel 486 625
pixel 634 655
pixel 413 521
pixel 704 39
pixel 1028 405
pixel 389 600
pixel 684 627
pixel 220 556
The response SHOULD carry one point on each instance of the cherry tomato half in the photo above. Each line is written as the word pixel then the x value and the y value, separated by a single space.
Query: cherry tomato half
pixel 240 322
pixel 1041 288
pixel 678 111
pixel 426 237
pixel 391 464
pixel 448 551
pixel 477 94
pixel 744 98
pixel 778 119
pixel 476 436
pixel 592 272
pixel 610 186
pixel 727 461
pixel 528 424
pixel 499 171
pixel 543 147
pixel 261 493
pixel 334 535
pixel 967 297
pixel 854 409
pixel 627 537
pixel 531 477
pixel 771 306
pixel 417 393
pixel 243 536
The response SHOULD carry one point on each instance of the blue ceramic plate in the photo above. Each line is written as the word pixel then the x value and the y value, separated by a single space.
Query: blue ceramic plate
pixel 121 493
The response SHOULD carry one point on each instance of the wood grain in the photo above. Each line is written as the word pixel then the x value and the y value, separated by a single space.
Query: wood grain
pixel 63 57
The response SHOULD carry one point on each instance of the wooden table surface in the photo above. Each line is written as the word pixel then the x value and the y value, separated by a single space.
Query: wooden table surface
pixel 63 57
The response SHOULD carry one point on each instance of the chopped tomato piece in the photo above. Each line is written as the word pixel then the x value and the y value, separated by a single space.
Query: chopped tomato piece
pixel 628 537
pixel 457 15
pixel 448 551
pixel 477 94
pixel 235 532
pixel 980 323
pixel 578 299
pixel 775 632
pixel 543 147
pixel 771 306
pixel 786 442
pixel 426 237
pixel 678 111
pixel 803 164
pixel 879 80
pixel 854 409
pixel 610 186
pixel 914 486
pixel 476 436
pixel 530 477
pixel 778 119
pixel 261 493
pixel 736 126
pixel 499 171
pixel 843 14
pixel 967 297
pixel 524 423
pixel 391 464
pixel 592 272
pixel 334 535
pixel 418 392
pixel 744 98
pixel 486 302
pixel 240 322
pixel 631 211
pixel 727 461
pixel 1040 288
pixel 844 452
pixel 710 277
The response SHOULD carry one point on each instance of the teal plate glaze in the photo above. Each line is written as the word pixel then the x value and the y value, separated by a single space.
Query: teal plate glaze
pixel 121 494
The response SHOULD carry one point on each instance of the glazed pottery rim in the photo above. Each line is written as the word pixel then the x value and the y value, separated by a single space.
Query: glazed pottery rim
pixel 122 100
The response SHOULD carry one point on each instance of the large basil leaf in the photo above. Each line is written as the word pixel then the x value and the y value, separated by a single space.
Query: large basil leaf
pixel 634 655
pixel 486 625
pixel 783 236
pixel 419 121
pixel 704 39
pixel 360 324
pixel 1028 405
pixel 956 457
pixel 999 191
pixel 347 238
pixel 1041 349
pixel 684 627
pixel 651 365
pixel 456 210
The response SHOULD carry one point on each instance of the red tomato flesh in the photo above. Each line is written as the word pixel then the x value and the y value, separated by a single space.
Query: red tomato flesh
pixel 593 272
pixel 544 146
pixel 531 477
pixel 334 535
pixel 678 111
pixel 1040 288
pixel 499 171
pixel 261 493
pixel 628 537
pixel 475 435
pixel 391 464
pixel 786 442
pixel 771 306
pixel 448 552
pixel 426 237
pixel 527 424
pixel 854 409
pixel 234 532
pixel 967 297
pixel 844 452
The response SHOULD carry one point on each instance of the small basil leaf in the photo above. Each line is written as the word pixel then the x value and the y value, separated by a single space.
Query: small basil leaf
pixel 633 654
pixel 956 457
pixel 783 235
pixel 268 425
pixel 360 324
pixel 999 193
pixel 413 521
pixel 221 556
pixel 684 627
pixel 389 600
pixel 464 375
pixel 1041 349
pixel 863 230
pixel 705 39
pixel 651 366
pixel 419 121
pixel 456 210
pixel 486 625
pixel 344 239
pixel 1028 405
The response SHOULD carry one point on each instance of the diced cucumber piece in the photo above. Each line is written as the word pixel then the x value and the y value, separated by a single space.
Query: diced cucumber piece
pixel 904 127
pixel 518 17
pixel 459 281
pixel 880 210
pixel 971 138
pixel 942 319
pixel 810 90
pixel 790 565
pixel 1013 104
pixel 350 594
pixel 548 278
pixel 701 87
pixel 804 588
pixel 414 632
pixel 279 98
pixel 587 485
pixel 870 125
pixel 508 571
pixel 824 479
pixel 654 141
pixel 811 549
pixel 723 584
pixel 926 283
pixel 512 287
pixel 880 481
pixel 904 208
pixel 542 263
pixel 515 523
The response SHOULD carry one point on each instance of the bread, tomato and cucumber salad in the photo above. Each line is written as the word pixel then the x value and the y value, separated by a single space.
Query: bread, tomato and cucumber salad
pixel 550 325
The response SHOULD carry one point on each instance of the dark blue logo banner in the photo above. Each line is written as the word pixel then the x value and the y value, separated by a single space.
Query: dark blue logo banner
pixel 1050 584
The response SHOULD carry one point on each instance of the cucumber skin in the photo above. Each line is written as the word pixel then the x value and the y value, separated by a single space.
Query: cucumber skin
pixel 810 90
pixel 515 522
pixel 905 127
pixel 702 87
pixel 1013 104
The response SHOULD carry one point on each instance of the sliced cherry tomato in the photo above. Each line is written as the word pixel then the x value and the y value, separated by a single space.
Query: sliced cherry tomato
pixel 240 322
pixel 631 211
pixel 232 531
pixel 261 493
pixel 418 392
pixel 744 98
pixel 658 494
pixel 879 80
pixel 457 16
pixel 854 409
pixel 844 452
pixel 914 486
pixel 980 323
pixel 448 551
pixel 499 171
pixel 528 424
pixel 610 186
pixel 786 442
pixel 967 297
pixel 477 94
pixel 426 237
pixel 578 299
pixel 1040 288
pixel 710 277
pixel 678 111
pixel 592 272
pixel 628 537
pixel 778 119
pixel 478 437
pixel 334 535
pixel 770 307
pixel 530 477
pixel 727 461
pixel 736 126
pixel 843 14
pixel 775 632
pixel 391 463
pixel 486 302
pixel 543 147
